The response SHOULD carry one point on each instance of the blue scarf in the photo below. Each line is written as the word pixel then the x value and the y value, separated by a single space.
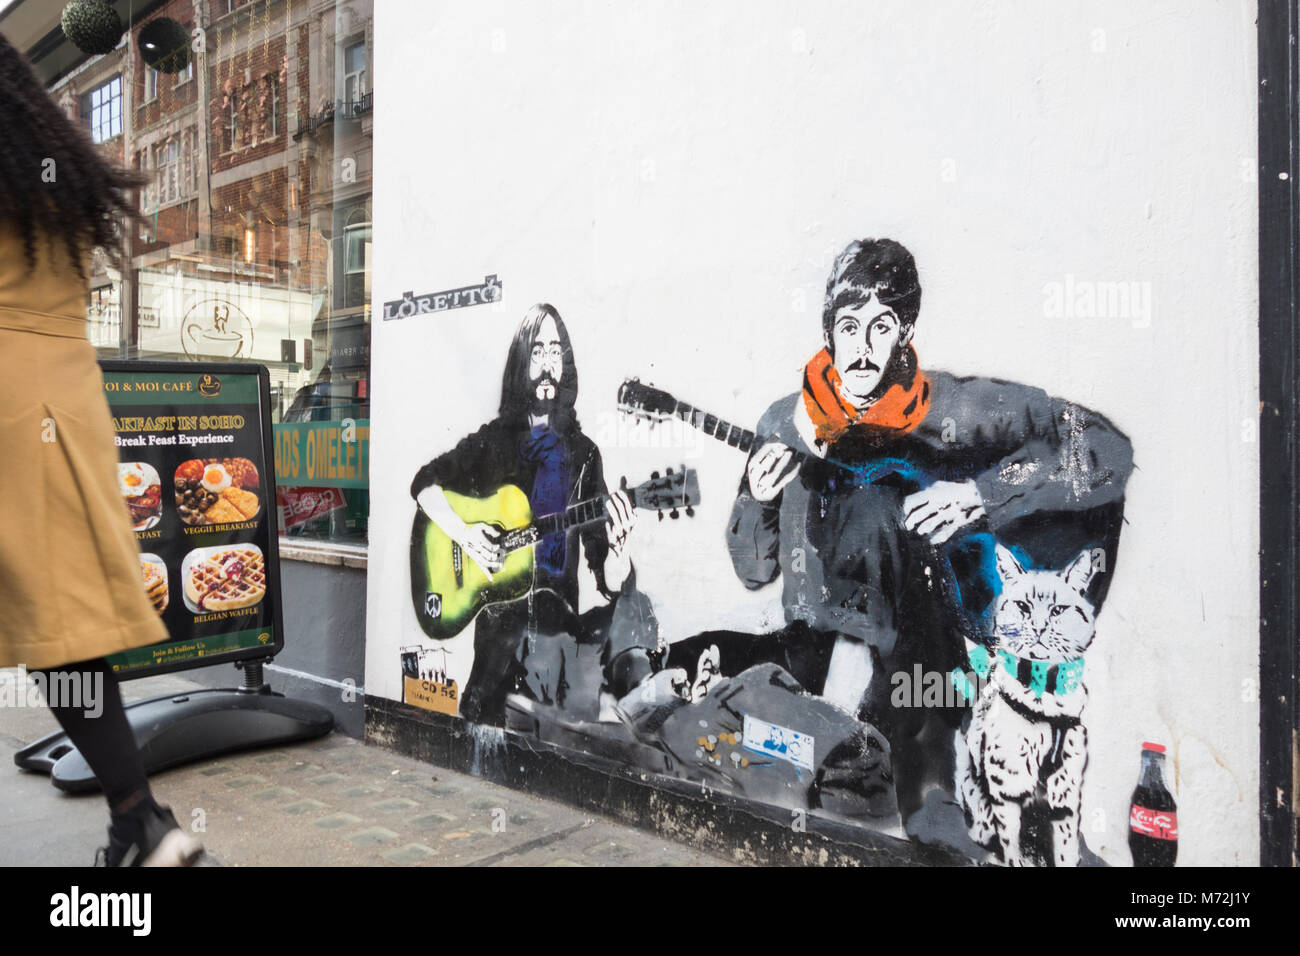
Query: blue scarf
pixel 1041 677
pixel 544 447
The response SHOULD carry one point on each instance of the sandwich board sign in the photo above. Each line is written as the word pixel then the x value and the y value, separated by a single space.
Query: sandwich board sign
pixel 196 472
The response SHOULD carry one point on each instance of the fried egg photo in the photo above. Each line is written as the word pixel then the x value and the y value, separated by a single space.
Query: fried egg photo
pixel 134 478
pixel 215 478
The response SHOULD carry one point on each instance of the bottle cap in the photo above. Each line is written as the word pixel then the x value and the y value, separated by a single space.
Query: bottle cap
pixel 1156 748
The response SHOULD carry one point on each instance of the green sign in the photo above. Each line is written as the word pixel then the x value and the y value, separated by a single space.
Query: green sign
pixel 323 454
pixel 179 388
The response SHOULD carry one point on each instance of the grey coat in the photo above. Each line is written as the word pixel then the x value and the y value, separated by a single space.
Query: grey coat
pixel 1051 473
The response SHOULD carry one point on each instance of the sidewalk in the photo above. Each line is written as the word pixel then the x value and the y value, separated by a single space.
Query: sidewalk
pixel 328 802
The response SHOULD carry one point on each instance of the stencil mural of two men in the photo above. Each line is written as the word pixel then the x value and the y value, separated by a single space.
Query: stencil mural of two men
pixel 876 492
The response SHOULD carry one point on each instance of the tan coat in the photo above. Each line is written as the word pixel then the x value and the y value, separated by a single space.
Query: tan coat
pixel 71 586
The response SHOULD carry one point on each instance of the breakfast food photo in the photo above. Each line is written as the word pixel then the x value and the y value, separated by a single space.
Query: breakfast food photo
pixel 139 484
pixel 155 580
pixel 224 578
pixel 217 491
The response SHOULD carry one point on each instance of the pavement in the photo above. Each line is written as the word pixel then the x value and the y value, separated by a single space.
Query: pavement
pixel 329 802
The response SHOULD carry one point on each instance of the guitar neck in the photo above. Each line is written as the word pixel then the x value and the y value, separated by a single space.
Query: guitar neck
pixel 575 516
pixel 723 431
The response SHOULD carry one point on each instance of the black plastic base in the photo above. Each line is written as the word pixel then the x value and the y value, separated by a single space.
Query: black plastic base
pixel 177 729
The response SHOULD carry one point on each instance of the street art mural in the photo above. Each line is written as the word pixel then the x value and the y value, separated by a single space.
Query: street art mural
pixel 789 451
pixel 885 496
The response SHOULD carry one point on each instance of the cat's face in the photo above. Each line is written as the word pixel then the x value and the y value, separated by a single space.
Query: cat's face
pixel 1043 615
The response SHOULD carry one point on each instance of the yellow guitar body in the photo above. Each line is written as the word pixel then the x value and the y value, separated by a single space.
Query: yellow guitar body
pixel 447 588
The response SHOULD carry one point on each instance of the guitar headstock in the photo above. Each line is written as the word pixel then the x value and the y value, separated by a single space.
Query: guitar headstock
pixel 644 402
pixel 669 492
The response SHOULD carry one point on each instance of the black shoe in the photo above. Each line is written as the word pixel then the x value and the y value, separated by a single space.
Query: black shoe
pixel 149 836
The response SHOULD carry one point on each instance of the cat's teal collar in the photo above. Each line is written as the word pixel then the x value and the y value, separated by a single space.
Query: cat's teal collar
pixel 1039 676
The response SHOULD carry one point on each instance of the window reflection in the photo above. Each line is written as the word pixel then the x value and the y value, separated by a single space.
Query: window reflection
pixel 256 238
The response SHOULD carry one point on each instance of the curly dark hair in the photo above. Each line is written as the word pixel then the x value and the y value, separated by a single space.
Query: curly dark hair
pixel 88 202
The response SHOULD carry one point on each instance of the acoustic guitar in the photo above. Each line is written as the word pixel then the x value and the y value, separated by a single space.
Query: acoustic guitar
pixel 448 589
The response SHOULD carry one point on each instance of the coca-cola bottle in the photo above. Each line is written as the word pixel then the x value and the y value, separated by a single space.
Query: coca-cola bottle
pixel 1153 817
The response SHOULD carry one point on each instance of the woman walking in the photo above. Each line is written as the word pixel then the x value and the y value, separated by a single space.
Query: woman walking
pixel 71 584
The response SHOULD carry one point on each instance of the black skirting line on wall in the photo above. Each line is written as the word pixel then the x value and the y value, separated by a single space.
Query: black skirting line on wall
pixel 706 819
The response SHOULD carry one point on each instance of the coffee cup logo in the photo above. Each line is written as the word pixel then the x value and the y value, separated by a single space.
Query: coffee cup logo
pixel 215 328
pixel 209 386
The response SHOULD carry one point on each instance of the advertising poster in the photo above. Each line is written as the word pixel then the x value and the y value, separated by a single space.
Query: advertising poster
pixel 195 474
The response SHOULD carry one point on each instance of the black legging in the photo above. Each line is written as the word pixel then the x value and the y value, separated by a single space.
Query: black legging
pixel 106 741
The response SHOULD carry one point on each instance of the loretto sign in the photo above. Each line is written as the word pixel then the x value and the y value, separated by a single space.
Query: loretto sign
pixel 195 472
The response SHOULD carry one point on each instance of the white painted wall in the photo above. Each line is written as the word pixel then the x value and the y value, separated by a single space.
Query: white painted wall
pixel 676 178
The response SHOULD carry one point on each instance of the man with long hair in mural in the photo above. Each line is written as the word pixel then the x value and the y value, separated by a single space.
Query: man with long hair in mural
pixel 535 444
pixel 875 493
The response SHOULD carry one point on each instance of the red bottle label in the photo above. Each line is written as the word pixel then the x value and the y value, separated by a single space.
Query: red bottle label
pixel 1161 824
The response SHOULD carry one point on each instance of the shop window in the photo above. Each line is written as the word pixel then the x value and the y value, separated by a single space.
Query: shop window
pixel 101 110
pixel 270 265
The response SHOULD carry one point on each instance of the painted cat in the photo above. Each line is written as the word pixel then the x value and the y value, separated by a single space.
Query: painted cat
pixel 1023 756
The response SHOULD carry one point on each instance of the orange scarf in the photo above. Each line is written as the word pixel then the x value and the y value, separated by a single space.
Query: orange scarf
pixel 903 406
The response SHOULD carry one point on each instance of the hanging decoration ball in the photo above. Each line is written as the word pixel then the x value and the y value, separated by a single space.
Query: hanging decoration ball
pixel 92 26
pixel 165 45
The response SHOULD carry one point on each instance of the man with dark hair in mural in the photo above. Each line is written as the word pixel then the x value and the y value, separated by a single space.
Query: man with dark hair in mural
pixel 876 492
pixel 535 444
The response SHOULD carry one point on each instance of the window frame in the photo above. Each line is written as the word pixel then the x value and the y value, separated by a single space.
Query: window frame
pixel 99 117
pixel 349 100
pixel 167 166
pixel 231 128
pixel 276 118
